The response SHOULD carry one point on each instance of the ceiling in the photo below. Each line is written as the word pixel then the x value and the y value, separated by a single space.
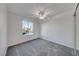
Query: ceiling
pixel 26 9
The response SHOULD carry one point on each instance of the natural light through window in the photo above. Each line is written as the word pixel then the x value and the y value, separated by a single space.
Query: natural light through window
pixel 27 27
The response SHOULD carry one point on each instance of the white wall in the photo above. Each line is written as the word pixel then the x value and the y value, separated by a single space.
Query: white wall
pixel 3 29
pixel 60 29
pixel 15 29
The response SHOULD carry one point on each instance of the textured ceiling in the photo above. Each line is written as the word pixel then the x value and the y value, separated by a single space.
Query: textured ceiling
pixel 26 9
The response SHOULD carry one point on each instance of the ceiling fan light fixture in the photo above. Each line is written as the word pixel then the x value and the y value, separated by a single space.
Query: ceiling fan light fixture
pixel 41 13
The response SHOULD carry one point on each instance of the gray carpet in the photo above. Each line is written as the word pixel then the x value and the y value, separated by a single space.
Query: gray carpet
pixel 39 47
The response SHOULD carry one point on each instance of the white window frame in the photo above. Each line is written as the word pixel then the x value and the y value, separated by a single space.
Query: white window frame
pixel 27 24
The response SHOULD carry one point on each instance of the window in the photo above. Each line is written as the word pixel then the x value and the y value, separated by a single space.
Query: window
pixel 27 27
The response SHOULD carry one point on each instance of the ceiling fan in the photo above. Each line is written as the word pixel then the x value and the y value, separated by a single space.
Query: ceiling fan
pixel 41 13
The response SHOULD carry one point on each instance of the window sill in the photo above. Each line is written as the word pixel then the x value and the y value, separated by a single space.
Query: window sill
pixel 29 34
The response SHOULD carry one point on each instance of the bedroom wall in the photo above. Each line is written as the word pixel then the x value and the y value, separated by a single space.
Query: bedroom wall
pixel 60 29
pixel 15 29
pixel 3 29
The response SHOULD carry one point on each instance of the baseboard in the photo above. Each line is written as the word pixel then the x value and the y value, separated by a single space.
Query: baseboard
pixel 24 42
pixel 60 44
pixel 5 51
